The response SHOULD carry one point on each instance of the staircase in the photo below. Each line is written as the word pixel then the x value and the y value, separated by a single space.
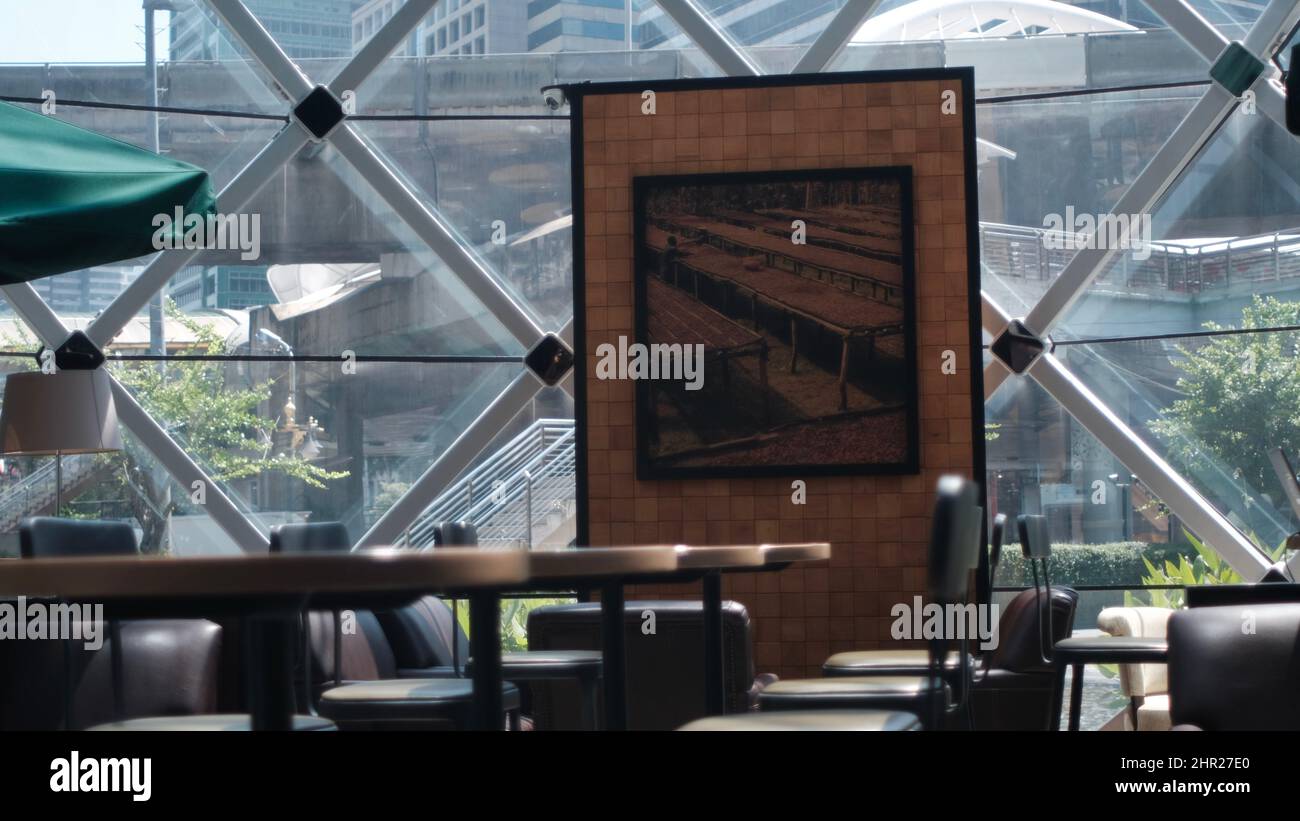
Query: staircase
pixel 34 495
pixel 523 494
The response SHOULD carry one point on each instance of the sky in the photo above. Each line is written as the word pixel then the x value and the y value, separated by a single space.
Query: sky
pixel 75 31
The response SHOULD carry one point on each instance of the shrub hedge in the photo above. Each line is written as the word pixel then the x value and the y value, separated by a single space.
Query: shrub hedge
pixel 1114 563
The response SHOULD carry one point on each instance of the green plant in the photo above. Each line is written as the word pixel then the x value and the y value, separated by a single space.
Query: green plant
pixel 1113 563
pixel 1206 568
pixel 514 620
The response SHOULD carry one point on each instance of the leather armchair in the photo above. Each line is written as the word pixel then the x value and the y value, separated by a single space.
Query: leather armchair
pixel 1235 668
pixel 164 667
pixel 1013 688
pixel 170 669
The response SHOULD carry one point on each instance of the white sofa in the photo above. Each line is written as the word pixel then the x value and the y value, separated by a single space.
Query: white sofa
pixel 1145 685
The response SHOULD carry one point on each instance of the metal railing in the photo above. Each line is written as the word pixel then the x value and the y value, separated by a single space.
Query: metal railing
pixel 516 495
pixel 37 490
pixel 1022 252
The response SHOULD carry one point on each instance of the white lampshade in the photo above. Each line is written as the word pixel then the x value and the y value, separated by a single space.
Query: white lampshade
pixel 69 411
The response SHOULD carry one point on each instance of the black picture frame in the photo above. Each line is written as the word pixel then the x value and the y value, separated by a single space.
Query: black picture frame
pixel 645 416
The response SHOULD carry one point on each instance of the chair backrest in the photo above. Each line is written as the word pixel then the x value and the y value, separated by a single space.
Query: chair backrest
pixel 1143 622
pixel 314 646
pixel 995 546
pixel 1036 546
pixel 954 539
pixel 422 635
pixel 455 534
pixel 1225 677
pixel 44 537
pixel 310 537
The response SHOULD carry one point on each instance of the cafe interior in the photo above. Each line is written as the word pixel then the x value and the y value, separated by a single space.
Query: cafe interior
pixel 916 365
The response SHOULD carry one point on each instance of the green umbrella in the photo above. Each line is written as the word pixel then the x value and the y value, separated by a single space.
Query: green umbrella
pixel 71 198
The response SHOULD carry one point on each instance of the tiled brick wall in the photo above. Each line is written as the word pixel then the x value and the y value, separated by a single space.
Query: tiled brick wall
pixel 878 525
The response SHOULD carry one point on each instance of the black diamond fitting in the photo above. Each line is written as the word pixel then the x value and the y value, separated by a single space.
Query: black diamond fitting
pixel 550 359
pixel 77 353
pixel 319 112
pixel 1017 346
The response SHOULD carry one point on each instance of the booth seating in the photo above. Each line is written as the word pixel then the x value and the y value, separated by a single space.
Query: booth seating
pixel 155 674
pixel 957 524
pixel 1145 685
pixel 665 669
pixel 366 691
pixel 428 642
pixel 1235 667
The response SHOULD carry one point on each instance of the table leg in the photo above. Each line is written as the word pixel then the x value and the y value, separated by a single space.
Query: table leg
pixel 485 650
pixel 714 694
pixel 1058 696
pixel 1076 696
pixel 270 650
pixel 614 656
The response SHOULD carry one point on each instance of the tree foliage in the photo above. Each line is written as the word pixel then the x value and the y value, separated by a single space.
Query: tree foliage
pixel 1240 397
pixel 215 419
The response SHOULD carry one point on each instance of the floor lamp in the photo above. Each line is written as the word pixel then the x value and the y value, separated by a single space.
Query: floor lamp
pixel 65 412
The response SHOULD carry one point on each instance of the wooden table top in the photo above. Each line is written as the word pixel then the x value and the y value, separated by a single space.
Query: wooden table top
pixel 719 557
pixel 580 562
pixel 806 552
pixel 371 571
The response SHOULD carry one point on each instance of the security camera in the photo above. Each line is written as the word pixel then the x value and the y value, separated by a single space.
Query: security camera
pixel 554 97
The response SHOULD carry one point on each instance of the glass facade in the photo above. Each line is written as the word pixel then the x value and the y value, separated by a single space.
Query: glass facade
pixel 356 267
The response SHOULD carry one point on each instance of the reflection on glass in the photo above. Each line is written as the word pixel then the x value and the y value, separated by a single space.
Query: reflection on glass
pixel 1214 408
pixel 1227 229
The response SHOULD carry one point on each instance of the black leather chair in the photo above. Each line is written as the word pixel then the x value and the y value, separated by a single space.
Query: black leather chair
pixel 428 642
pixel 1235 667
pixel 915 662
pixel 871 702
pixel 162 668
pixel 1076 651
pixel 954 553
pixel 366 691
pixel 1013 687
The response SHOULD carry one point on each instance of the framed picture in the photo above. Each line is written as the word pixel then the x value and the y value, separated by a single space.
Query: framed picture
pixel 775 324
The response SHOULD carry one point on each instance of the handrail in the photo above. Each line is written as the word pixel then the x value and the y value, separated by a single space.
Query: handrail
pixel 1021 251
pixel 37 489
pixel 497 494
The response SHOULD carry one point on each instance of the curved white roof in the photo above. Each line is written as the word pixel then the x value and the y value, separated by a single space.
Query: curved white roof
pixel 974 19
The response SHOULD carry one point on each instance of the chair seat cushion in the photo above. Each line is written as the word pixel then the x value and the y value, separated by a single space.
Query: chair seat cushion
pixel 540 664
pixel 812 721
pixel 406 699
pixel 234 722
pixel 850 692
pixel 888 662
pixel 1111 650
